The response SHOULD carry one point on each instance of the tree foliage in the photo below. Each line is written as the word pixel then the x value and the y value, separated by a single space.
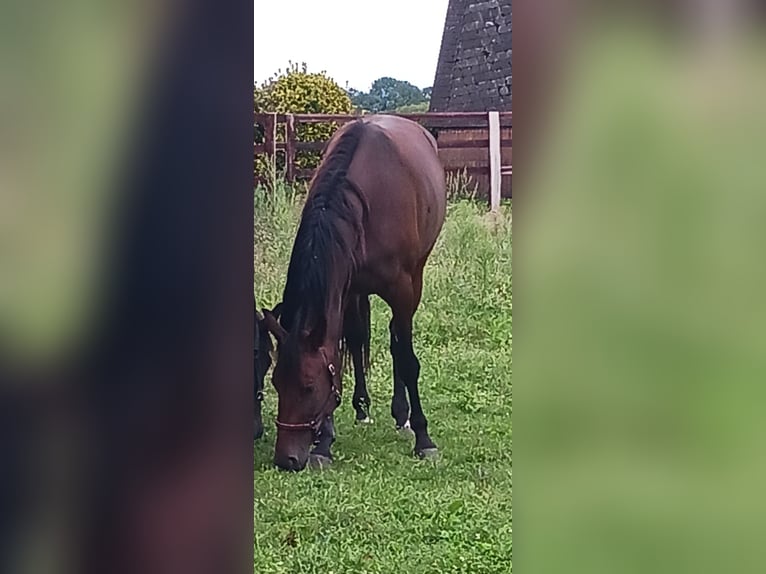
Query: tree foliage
pixel 298 91
pixel 389 94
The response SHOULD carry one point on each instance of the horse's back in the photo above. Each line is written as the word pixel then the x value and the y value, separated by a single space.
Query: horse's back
pixel 398 170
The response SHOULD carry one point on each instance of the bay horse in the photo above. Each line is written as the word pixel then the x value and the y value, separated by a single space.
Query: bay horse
pixel 373 213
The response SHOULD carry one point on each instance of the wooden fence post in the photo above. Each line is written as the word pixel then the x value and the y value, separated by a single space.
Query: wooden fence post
pixel 494 161
pixel 290 147
pixel 270 133
pixel 270 139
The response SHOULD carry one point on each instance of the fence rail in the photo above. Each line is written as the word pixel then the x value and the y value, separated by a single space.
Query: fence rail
pixel 468 131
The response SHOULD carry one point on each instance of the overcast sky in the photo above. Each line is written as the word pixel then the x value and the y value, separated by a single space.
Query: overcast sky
pixel 355 41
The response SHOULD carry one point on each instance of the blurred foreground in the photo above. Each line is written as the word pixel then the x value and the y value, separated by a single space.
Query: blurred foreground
pixel 640 345
pixel 125 287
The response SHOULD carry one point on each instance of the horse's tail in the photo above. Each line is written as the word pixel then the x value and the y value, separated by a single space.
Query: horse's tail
pixel 364 314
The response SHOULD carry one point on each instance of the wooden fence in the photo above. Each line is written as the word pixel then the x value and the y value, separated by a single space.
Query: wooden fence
pixel 479 143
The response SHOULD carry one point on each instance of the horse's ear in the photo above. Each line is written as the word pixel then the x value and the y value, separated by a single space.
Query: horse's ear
pixel 272 325
pixel 314 337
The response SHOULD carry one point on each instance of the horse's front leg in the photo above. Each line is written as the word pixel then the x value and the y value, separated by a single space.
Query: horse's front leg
pixel 400 407
pixel 257 419
pixel 258 397
pixel 321 455
pixel 404 303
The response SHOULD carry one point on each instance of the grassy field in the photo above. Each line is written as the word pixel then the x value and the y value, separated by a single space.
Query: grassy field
pixel 378 509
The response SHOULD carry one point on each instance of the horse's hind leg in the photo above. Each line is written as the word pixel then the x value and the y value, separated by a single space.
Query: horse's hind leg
pixel 356 331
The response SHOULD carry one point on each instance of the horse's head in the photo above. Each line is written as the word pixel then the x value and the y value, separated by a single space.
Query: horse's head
pixel 307 380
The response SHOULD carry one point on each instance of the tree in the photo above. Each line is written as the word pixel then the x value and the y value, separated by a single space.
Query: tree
pixel 363 101
pixel 388 94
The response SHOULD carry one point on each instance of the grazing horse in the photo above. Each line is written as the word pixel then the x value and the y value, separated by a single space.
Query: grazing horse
pixel 261 362
pixel 372 216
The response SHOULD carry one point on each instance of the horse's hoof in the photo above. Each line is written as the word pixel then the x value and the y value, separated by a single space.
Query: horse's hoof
pixel 427 453
pixel 364 421
pixel 319 462
pixel 405 431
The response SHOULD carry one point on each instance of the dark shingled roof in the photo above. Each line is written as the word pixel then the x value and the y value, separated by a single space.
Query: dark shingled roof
pixel 474 69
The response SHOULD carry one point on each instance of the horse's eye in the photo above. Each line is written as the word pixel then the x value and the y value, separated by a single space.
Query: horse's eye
pixel 307 389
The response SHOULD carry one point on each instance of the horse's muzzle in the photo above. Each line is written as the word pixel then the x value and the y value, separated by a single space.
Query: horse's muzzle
pixel 289 462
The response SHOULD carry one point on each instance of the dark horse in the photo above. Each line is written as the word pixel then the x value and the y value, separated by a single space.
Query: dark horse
pixel 261 362
pixel 374 211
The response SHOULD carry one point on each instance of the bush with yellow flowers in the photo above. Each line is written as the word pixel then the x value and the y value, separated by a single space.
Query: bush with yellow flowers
pixel 298 91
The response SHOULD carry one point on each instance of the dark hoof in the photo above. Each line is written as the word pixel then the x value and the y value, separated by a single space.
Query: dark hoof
pixel 319 462
pixel 427 453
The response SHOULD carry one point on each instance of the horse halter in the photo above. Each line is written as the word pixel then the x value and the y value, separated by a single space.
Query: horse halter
pixel 315 424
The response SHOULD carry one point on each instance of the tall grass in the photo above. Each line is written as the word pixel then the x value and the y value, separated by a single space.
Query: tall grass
pixel 460 185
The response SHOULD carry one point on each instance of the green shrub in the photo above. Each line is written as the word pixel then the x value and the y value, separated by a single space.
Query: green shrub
pixel 298 91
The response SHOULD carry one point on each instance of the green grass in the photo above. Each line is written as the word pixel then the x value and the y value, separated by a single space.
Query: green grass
pixel 378 509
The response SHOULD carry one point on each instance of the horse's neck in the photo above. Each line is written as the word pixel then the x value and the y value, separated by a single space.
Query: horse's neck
pixel 323 273
pixel 336 303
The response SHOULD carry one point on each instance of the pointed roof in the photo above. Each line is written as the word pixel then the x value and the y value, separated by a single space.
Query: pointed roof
pixel 474 68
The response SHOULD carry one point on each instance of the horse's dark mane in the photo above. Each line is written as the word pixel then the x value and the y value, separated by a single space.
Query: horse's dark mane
pixel 329 241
